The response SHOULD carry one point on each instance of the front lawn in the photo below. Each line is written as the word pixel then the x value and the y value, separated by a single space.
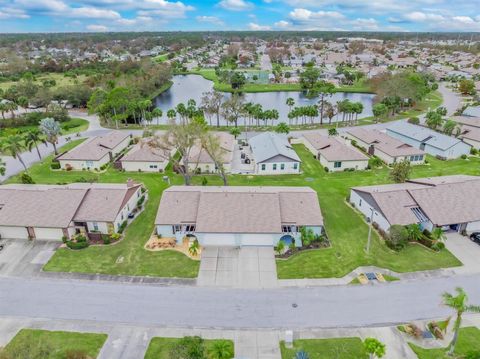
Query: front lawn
pixel 160 348
pixel 346 229
pixel 345 348
pixel 54 344
pixel 468 343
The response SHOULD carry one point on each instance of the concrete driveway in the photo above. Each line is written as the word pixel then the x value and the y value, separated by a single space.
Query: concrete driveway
pixel 22 257
pixel 466 251
pixel 246 267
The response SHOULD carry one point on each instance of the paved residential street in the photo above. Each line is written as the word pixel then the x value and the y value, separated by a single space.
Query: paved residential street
pixel 319 307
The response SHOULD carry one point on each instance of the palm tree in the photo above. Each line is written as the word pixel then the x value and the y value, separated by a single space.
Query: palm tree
pixel 438 234
pixel 221 349
pixel 3 167
pixel 194 247
pixel 414 232
pixel 290 103
pixel 32 138
pixel 157 113
pixel 14 145
pixel 51 129
pixel 171 114
pixel 459 304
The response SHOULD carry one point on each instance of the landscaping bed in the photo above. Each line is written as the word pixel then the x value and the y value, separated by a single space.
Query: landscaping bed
pixel 344 348
pixel 168 348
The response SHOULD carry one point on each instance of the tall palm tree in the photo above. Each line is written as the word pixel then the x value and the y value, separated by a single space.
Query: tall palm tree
pixel 438 234
pixel 14 145
pixel 32 138
pixel 459 304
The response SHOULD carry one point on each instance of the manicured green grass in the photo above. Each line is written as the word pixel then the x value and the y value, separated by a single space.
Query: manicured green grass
pixel 468 342
pixel 345 348
pixel 60 342
pixel 59 78
pixel 74 125
pixel 160 348
pixel 345 227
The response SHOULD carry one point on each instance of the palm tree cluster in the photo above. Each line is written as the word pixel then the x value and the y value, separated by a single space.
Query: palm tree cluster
pixel 17 143
pixel 8 106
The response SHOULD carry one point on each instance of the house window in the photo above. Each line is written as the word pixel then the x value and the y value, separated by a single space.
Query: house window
pixel 190 228
pixel 177 228
pixel 286 229
pixel 282 166
pixel 412 158
pixel 153 166
pixel 295 166
pixel 420 157
pixel 95 226
pixel 337 164
pixel 274 167
pixel 89 164
pixel 263 166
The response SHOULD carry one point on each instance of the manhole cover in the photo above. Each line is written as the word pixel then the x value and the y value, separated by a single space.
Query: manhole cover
pixel 294 305
pixel 309 179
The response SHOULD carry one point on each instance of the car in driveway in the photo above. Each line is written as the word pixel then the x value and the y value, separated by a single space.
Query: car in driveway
pixel 475 237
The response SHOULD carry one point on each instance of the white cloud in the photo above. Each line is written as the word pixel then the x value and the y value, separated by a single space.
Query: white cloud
pixel 235 5
pixel 97 28
pixel 11 13
pixel 282 24
pixel 421 16
pixel 307 15
pixel 210 19
pixel 256 27
pixel 92 13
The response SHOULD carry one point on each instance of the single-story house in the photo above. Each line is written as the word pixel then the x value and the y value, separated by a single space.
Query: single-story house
pixel 238 216
pixel 449 202
pixel 334 154
pixel 144 158
pixel 388 149
pixel 50 212
pixel 432 142
pixel 199 160
pixel 95 152
pixel 469 129
pixel 273 154
pixel 472 111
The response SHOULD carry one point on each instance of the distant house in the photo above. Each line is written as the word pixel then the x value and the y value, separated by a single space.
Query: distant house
pixel 469 130
pixel 273 154
pixel 49 212
pixel 334 154
pixel 238 216
pixel 145 158
pixel 449 202
pixel 388 149
pixel 432 142
pixel 95 152
pixel 199 160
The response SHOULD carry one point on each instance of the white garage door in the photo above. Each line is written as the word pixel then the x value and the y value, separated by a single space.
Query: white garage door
pixel 48 233
pixel 257 239
pixel 217 239
pixel 14 232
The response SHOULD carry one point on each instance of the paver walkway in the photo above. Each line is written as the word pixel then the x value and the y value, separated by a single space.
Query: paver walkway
pixel 246 267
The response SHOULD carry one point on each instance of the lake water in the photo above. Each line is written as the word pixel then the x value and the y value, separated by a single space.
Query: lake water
pixel 187 87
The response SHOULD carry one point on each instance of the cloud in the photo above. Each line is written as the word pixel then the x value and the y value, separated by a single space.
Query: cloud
pixel 10 13
pixel 421 16
pixel 256 27
pixel 282 24
pixel 236 5
pixel 307 15
pixel 97 28
pixel 210 19
pixel 92 13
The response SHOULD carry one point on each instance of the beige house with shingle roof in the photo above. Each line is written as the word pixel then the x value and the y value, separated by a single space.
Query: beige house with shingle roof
pixel 95 152
pixel 449 202
pixel 145 158
pixel 334 154
pixel 49 212
pixel 238 216
pixel 199 160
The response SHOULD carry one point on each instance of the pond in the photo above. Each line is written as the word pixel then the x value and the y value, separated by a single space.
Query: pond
pixel 187 87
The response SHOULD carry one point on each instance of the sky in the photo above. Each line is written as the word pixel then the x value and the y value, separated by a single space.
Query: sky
pixel 197 15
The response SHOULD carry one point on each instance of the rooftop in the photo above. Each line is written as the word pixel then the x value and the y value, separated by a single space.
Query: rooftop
pixel 239 209
pixel 268 145
pixel 334 149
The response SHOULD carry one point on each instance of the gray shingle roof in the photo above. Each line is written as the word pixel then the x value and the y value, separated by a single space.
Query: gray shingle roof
pixel 422 134
pixel 268 145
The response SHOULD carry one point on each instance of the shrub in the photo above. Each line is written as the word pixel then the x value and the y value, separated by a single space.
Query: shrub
pixel 398 236
pixel 326 169
pixel 438 246
pixel 80 238
pixel 375 162
pixel 189 347
pixel 26 178
pixel 115 236
pixel 426 241
pixel 140 201
pixel 55 166
pixel 106 239
pixel 64 239
pixel 414 120
pixel 463 157
pixel 122 226
pixel 77 245
pixel 427 233
pixel 473 151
